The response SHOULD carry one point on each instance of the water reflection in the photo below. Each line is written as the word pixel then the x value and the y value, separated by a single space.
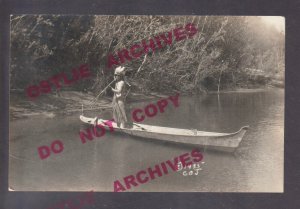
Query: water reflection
pixel 257 166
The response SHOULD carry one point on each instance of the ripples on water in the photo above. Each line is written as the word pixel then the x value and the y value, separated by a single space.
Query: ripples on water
pixel 257 166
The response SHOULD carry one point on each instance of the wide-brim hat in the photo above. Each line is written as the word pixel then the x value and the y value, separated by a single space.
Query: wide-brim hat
pixel 120 70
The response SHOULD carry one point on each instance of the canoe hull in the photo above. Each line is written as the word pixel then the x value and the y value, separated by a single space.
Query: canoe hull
pixel 209 140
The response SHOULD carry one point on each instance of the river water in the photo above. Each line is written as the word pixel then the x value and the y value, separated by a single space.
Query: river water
pixel 256 166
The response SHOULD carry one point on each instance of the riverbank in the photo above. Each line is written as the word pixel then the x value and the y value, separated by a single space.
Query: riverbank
pixel 257 165
pixel 68 102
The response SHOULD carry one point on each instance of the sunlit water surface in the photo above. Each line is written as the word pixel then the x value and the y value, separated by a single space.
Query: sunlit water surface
pixel 257 165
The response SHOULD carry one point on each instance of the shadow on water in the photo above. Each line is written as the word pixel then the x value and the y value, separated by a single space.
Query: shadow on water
pixel 256 166
pixel 174 145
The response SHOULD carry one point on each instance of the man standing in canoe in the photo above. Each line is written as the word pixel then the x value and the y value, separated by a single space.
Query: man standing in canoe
pixel 118 104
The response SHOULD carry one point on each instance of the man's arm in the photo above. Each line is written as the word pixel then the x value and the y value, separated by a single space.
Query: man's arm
pixel 119 87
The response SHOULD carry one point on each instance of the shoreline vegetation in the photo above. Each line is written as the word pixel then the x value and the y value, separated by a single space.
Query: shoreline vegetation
pixel 70 102
pixel 191 55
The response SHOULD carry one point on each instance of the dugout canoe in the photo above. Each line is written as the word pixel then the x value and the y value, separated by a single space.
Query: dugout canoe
pixel 211 140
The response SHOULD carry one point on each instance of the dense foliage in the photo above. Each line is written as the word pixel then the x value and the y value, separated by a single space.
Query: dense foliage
pixel 226 52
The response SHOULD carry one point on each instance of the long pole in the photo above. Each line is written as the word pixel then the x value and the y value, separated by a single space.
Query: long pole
pixel 95 100
pixel 104 89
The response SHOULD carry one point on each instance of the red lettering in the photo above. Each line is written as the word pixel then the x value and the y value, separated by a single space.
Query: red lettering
pixel 157 39
pixel 55 79
pixel 164 167
pixel 118 187
pixel 179 34
pixel 122 54
pixel 148 112
pixel 44 152
pixel 135 117
pixel 191 29
pixel 174 100
pixel 66 80
pixel 87 135
pixel 112 61
pixel 130 180
pixel 173 166
pixel 154 171
pixel 136 54
pixel 84 71
pixel 60 146
pixel 139 178
pixel 75 74
pixel 169 40
pixel 33 91
pixel 184 158
pixel 148 46
pixel 96 130
pixel 45 87
pixel 197 155
pixel 109 123
pixel 162 104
